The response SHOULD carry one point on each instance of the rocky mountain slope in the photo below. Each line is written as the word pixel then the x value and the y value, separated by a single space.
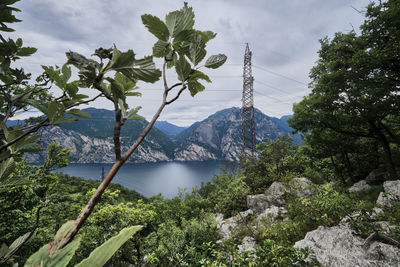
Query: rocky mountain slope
pixel 217 137
pixel 91 140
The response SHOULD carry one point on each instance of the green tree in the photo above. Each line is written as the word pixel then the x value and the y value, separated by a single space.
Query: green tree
pixel 355 85
pixel 113 76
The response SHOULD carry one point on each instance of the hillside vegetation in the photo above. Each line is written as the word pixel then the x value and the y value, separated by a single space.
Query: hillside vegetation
pixel 333 201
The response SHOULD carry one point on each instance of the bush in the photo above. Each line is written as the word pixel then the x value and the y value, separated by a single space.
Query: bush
pixel 325 206
pixel 226 194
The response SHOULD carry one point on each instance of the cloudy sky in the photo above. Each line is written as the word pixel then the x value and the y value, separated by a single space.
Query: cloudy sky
pixel 283 36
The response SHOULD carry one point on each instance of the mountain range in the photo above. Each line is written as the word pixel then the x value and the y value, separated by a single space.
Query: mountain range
pixel 218 137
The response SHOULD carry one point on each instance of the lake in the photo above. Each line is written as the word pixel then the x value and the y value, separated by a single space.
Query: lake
pixel 152 178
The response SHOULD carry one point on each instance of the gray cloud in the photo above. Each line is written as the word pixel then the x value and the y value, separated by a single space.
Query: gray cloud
pixel 283 35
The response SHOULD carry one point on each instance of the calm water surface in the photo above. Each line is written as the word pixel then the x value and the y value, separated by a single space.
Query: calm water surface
pixel 152 178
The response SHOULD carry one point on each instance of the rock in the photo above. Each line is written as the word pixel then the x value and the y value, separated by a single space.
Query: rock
pixel 247 245
pixel 337 247
pixel 219 217
pixel 359 186
pixel 258 203
pixel 391 193
pixel 301 186
pixel 272 213
pixel 376 177
pixel 275 194
pixel 385 226
pixel 229 226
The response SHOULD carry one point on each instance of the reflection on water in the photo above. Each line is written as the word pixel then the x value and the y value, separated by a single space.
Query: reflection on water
pixel 152 178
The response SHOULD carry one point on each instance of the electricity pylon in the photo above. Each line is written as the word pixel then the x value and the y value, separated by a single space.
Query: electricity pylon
pixel 248 125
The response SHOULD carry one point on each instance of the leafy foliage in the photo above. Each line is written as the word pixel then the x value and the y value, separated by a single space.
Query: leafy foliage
pixel 355 89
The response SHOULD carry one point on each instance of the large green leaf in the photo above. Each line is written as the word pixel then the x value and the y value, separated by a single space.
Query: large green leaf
pixel 57 253
pixel 55 111
pixel 54 75
pixel 102 254
pixel 59 258
pixel 87 68
pixel 17 242
pixel 26 51
pixel 72 88
pixel 197 50
pixel 182 68
pixel 132 114
pixel 117 89
pixel 180 20
pixel 207 35
pixel 4 250
pixel 200 75
pixel 29 147
pixel 195 87
pixel 215 61
pixel 6 167
pixel 37 104
pixel 126 83
pixel 66 71
pixel 159 48
pixel 142 69
pixel 79 113
pixel 122 59
pixel 156 26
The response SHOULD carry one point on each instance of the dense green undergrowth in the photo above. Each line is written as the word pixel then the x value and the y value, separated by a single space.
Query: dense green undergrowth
pixel 182 230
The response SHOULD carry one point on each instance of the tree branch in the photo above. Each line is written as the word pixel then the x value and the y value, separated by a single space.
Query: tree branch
pixel 34 129
pixel 173 86
pixel 117 165
pixel 177 96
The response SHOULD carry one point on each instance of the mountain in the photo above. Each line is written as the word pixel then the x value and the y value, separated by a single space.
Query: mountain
pixel 282 122
pixel 217 137
pixel 91 140
pixel 169 129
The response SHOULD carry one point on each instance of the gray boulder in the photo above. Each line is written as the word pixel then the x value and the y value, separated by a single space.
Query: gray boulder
pixel 276 193
pixel 273 196
pixel 258 203
pixel 359 186
pixel 229 226
pixel 247 245
pixel 391 193
pixel 301 186
pixel 272 214
pixel 338 247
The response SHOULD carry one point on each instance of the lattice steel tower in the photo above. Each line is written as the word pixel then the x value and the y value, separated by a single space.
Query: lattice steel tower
pixel 248 128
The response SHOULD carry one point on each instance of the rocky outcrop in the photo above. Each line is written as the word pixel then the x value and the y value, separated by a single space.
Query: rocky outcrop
pixel 359 186
pixel 85 149
pixel 391 193
pixel 247 245
pixel 231 225
pixel 300 186
pixel 337 246
pixel 194 152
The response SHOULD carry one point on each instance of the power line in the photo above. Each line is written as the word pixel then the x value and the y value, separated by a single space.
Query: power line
pixel 280 75
pixel 272 87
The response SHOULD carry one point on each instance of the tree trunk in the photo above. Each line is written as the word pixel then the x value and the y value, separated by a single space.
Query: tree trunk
pixel 387 155
pixel 117 131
